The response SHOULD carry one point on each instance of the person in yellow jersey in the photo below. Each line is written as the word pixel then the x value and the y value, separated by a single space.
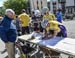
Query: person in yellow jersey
pixel 49 16
pixel 53 28
pixel 51 31
pixel 53 25
pixel 25 19
pixel 58 27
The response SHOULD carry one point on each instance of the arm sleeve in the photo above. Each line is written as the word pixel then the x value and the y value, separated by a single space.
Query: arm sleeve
pixel 19 17
pixel 3 34
pixel 28 19
pixel 54 18
pixel 6 25
pixel 4 29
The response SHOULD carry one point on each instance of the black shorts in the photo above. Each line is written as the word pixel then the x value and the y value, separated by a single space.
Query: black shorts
pixel 25 30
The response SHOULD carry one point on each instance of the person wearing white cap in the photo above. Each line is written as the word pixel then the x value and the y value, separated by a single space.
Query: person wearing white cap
pixel 8 32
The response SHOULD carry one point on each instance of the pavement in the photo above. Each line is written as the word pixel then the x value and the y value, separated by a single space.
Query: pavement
pixel 71 33
pixel 70 26
pixel 2 48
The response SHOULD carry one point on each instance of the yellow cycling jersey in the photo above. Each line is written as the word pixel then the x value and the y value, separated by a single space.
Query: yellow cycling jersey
pixel 25 19
pixel 49 17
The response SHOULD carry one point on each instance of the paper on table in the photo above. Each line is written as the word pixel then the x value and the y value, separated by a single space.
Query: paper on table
pixel 69 41
pixel 67 45
pixel 35 34
pixel 25 37
pixel 36 40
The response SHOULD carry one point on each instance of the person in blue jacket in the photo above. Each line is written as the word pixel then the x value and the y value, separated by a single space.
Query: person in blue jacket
pixel 59 16
pixel 8 32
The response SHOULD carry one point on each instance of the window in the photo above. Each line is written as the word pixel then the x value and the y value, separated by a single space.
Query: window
pixel 41 5
pixel 37 2
pixel 37 7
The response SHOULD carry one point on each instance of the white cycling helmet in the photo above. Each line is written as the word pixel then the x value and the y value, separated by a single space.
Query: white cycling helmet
pixel 44 10
pixel 37 13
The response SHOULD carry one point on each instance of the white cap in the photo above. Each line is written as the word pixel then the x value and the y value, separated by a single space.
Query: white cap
pixel 9 11
pixel 37 13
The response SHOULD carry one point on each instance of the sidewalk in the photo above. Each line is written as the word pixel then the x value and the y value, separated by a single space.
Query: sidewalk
pixel 70 28
pixel 2 47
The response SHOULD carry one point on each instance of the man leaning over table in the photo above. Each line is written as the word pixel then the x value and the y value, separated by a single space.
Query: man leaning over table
pixel 61 29
pixel 51 32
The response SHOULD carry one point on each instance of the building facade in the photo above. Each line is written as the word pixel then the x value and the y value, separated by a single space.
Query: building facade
pixel 37 4
pixel 56 4
pixel 70 6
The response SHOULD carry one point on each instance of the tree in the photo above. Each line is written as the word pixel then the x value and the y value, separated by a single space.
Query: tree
pixel 16 5
pixel 2 10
